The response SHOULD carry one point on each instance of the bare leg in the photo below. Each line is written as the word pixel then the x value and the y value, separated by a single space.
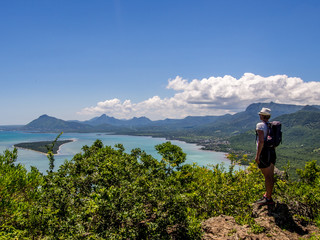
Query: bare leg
pixel 268 174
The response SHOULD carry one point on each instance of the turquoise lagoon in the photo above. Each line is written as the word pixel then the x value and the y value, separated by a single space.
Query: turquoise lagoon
pixel 30 158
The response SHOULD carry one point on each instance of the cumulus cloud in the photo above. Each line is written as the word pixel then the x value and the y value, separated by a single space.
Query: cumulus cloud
pixel 213 96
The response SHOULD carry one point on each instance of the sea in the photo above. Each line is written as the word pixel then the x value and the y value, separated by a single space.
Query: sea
pixel 39 160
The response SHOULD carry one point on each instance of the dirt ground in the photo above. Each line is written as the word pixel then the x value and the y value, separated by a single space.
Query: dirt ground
pixel 273 222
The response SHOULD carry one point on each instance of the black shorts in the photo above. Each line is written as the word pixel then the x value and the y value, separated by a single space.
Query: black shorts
pixel 267 156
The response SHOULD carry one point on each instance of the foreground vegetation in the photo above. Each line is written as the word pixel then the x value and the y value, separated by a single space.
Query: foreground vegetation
pixel 105 193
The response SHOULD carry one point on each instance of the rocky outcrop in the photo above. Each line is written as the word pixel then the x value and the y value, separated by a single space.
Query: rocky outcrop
pixel 271 222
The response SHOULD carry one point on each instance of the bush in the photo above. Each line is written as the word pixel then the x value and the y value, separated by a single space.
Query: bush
pixel 105 193
pixel 18 193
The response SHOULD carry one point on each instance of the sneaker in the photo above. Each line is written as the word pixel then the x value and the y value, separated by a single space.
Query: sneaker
pixel 265 201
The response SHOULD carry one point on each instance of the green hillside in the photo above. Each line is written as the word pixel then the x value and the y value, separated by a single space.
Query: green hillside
pixel 241 122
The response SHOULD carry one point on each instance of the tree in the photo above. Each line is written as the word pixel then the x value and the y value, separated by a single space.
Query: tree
pixel 171 154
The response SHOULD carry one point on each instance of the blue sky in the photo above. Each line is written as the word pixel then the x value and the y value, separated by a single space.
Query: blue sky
pixel 79 59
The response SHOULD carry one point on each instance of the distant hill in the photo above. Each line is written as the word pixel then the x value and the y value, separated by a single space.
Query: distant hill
pixel 169 127
pixel 189 121
pixel 220 126
pixel 243 121
pixel 311 108
pixel 46 123
pixel 104 119
pixel 307 117
pixel 276 108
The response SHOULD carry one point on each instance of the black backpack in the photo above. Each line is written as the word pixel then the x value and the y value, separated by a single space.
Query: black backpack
pixel 274 135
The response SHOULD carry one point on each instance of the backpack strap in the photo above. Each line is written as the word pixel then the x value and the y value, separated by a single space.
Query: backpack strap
pixel 268 128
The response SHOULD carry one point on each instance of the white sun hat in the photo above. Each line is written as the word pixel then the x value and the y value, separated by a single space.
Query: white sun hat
pixel 265 111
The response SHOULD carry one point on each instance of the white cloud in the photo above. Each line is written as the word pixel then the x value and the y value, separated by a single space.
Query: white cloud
pixel 213 96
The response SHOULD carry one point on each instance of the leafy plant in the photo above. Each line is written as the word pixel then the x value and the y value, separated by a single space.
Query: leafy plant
pixel 106 193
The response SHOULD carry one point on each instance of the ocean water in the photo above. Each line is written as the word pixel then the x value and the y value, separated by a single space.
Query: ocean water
pixel 30 158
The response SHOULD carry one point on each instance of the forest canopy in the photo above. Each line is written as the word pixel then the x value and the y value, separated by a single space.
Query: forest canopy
pixel 106 193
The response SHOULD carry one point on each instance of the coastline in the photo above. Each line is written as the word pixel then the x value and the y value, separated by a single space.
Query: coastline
pixel 218 145
pixel 144 142
pixel 200 145
pixel 59 149
pixel 30 150
pixel 203 145
pixel 41 144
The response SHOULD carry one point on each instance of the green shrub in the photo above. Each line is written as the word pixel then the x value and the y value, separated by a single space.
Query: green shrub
pixel 106 193
pixel 18 193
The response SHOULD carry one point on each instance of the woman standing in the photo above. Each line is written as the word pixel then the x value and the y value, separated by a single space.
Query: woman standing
pixel 265 156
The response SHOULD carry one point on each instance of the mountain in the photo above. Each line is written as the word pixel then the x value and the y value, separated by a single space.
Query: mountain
pixel 143 124
pixel 46 123
pixel 217 126
pixel 243 121
pixel 308 117
pixel 276 108
pixel 311 108
pixel 138 121
pixel 187 122
pixel 104 119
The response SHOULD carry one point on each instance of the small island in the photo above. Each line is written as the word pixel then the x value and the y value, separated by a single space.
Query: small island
pixel 42 146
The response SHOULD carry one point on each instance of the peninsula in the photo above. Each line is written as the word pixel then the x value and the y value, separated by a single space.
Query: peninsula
pixel 42 146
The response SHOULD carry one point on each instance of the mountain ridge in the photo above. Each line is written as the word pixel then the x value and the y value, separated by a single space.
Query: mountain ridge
pixel 224 125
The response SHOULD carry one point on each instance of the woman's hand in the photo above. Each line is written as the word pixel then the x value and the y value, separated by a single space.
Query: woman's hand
pixel 257 160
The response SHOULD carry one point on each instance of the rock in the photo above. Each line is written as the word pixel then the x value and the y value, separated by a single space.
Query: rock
pixel 272 222
pixel 224 227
